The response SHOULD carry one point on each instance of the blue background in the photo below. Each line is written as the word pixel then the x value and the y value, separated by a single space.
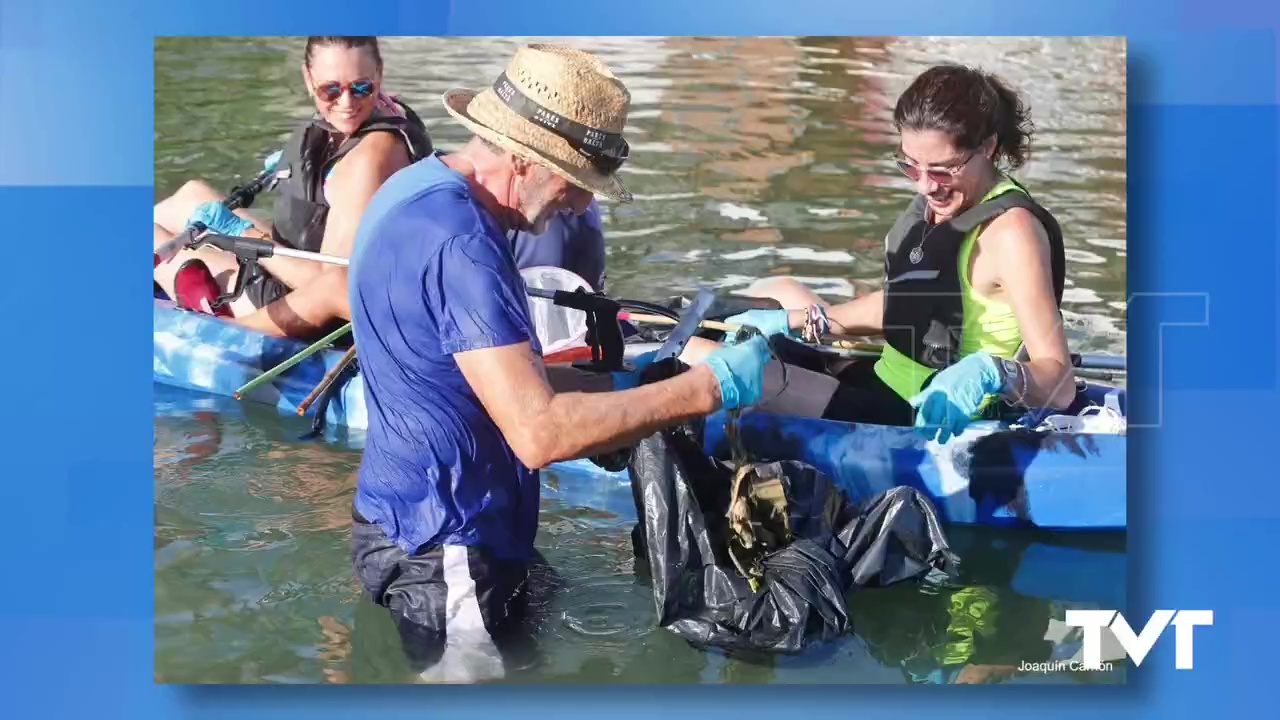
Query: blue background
pixel 76 167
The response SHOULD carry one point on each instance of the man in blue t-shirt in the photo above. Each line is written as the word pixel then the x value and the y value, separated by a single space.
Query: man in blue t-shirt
pixel 462 410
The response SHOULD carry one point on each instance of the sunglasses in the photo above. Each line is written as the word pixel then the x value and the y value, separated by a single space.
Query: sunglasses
pixel 331 91
pixel 609 158
pixel 939 175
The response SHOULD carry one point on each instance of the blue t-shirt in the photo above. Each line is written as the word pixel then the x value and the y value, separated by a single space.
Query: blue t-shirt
pixel 572 242
pixel 432 274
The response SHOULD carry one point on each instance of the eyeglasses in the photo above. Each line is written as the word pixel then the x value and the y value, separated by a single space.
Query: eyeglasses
pixel 331 91
pixel 940 175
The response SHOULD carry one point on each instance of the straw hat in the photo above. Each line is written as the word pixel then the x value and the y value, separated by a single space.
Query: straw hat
pixel 558 107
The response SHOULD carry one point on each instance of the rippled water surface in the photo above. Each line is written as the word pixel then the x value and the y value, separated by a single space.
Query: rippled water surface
pixel 751 157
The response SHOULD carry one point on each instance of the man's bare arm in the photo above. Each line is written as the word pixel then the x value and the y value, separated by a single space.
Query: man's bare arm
pixel 543 426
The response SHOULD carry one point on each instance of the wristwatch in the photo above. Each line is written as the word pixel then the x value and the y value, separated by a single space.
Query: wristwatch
pixel 1012 379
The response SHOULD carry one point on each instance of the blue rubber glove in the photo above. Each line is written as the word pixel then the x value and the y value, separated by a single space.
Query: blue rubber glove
pixel 740 371
pixel 218 218
pixel 768 322
pixel 625 380
pixel 948 404
pixel 272 161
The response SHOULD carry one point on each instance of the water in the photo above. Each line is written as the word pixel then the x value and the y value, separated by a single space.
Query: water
pixel 751 157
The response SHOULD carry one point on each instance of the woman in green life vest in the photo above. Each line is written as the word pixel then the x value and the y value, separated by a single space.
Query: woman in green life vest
pixel 974 271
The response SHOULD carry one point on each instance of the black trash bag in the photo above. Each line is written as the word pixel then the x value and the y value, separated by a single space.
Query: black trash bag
pixel 788 588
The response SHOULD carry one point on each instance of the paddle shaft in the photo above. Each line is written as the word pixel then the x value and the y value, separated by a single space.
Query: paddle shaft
pixel 317 257
pixel 664 320
pixel 314 348
pixel 328 380
pixel 726 327
pixel 259 248
pixel 1112 363
pixel 864 349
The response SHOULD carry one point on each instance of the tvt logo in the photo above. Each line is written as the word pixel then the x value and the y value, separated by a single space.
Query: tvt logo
pixel 1137 646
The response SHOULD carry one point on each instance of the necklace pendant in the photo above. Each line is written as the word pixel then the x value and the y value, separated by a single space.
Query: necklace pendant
pixel 917 254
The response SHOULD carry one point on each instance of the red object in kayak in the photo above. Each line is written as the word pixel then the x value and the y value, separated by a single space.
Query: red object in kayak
pixel 568 355
pixel 196 289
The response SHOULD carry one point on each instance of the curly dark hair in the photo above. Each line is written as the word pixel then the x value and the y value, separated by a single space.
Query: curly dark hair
pixel 970 106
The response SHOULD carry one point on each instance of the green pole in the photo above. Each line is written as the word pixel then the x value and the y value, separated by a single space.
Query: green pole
pixel 303 355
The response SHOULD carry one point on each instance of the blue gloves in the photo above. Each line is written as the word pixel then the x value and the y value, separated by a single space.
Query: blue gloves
pixel 768 322
pixel 628 380
pixel 218 218
pixel 740 371
pixel 272 161
pixel 947 405
pixel 738 368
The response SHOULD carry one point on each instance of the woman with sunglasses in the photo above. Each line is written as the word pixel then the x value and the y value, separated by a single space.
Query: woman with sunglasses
pixel 329 169
pixel 974 272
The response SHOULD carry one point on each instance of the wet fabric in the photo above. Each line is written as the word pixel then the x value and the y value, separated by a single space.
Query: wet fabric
pixel 458 610
pixel 814 546
pixel 432 275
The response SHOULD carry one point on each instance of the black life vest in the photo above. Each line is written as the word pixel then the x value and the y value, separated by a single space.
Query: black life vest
pixel 298 217
pixel 923 300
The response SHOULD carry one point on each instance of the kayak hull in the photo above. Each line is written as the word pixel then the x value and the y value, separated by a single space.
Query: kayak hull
pixel 200 352
pixel 990 475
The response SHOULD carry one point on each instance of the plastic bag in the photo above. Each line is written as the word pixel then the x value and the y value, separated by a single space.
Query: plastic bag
pixel 1105 419
pixel 802 570
pixel 559 328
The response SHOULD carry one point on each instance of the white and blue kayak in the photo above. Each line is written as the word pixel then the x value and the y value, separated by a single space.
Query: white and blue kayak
pixel 993 474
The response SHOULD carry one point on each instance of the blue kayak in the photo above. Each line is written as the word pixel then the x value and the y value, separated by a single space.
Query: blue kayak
pixel 991 475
